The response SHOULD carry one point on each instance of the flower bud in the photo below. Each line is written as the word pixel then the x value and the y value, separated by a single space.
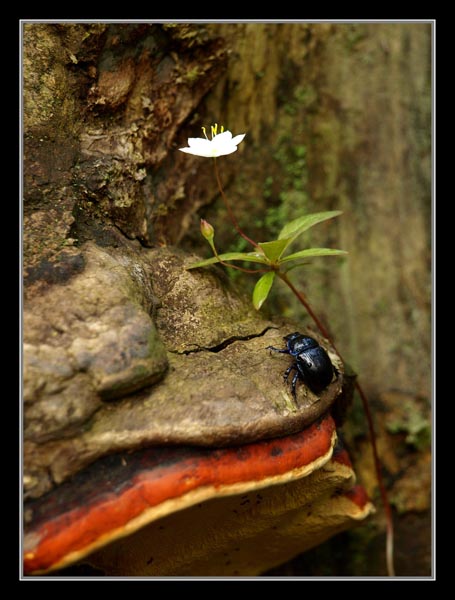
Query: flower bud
pixel 207 230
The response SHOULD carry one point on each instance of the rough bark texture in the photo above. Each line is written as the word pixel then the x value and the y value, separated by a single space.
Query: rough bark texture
pixel 337 116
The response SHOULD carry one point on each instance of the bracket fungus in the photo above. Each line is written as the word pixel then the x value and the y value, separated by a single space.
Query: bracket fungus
pixel 164 441
pixel 199 511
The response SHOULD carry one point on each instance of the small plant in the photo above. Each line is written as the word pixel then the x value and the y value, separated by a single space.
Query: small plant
pixel 274 261
pixel 272 255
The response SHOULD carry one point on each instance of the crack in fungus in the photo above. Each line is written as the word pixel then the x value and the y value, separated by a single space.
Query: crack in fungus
pixel 225 343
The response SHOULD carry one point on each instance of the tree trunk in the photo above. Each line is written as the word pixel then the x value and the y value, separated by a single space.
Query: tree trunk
pixel 337 116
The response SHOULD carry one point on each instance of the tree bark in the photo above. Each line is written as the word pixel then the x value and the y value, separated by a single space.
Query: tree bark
pixel 337 116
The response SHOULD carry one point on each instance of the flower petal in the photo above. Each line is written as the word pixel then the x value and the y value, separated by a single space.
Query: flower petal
pixel 199 147
pixel 207 152
pixel 223 138
pixel 225 149
pixel 219 145
pixel 187 150
pixel 199 143
pixel 238 138
pixel 196 141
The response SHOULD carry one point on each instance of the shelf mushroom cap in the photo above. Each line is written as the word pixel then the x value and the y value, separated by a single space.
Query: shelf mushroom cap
pixel 139 418
pixel 114 379
pixel 121 494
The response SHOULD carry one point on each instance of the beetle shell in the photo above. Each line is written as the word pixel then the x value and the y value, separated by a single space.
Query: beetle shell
pixel 312 364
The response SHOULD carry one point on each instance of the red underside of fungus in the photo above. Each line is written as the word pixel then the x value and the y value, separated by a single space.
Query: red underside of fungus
pixel 120 493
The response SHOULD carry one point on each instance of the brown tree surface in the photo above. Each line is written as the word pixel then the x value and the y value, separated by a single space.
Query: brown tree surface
pixel 337 116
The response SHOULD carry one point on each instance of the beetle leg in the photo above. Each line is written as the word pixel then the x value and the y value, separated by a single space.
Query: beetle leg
pixel 288 370
pixel 293 367
pixel 294 383
pixel 285 351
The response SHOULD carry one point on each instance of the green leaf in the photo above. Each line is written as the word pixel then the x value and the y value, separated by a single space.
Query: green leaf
pixel 293 229
pixel 262 289
pixel 273 250
pixel 246 256
pixel 309 252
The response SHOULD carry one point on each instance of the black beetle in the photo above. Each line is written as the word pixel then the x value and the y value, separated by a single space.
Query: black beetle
pixel 312 364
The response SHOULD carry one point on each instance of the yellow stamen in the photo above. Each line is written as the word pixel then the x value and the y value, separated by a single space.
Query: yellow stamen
pixel 222 129
pixel 205 133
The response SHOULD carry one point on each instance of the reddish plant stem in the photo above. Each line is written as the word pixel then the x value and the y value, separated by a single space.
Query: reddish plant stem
pixel 377 464
pixel 366 408
pixel 228 207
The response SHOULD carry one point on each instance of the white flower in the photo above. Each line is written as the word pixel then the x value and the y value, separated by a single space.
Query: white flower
pixel 220 144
